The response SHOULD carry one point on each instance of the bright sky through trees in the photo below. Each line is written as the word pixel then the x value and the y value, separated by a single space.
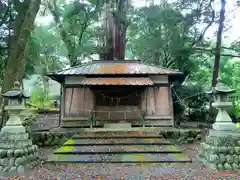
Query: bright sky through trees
pixel 233 15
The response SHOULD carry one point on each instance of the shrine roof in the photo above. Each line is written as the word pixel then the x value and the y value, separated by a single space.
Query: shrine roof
pixel 114 67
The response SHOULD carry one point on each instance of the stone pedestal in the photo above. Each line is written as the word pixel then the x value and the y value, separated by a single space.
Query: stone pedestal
pixel 16 149
pixel 221 148
pixel 223 121
pixel 16 152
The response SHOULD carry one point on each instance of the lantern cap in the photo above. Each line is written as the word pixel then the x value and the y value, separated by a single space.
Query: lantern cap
pixel 16 92
pixel 221 88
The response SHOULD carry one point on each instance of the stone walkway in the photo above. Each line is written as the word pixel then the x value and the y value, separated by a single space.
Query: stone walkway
pixel 118 147
pixel 192 171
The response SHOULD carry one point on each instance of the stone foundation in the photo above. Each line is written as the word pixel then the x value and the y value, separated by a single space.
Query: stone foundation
pixel 16 152
pixel 221 152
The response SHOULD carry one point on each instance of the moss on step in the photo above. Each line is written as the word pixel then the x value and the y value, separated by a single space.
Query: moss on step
pixel 66 148
pixel 148 140
pixel 70 142
pixel 139 157
pixel 172 148
pixel 179 155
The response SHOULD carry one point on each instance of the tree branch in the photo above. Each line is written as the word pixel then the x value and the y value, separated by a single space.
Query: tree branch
pixel 229 48
pixel 213 52
pixel 208 26
pixel 66 38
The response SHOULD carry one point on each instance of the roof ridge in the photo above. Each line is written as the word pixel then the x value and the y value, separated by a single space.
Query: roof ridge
pixel 92 68
pixel 92 62
pixel 72 67
pixel 116 61
pixel 159 66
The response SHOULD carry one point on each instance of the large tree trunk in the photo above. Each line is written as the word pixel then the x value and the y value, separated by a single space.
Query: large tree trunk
pixel 218 44
pixel 121 28
pixel 24 24
pixel 115 26
pixel 22 31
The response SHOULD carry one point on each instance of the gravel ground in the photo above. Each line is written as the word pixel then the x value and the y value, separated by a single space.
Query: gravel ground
pixel 193 171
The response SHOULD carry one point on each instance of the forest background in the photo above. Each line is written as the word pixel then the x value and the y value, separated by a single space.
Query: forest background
pixel 197 37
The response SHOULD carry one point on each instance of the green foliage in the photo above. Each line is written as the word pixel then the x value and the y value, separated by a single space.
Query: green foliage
pixel 50 138
pixel 92 120
pixel 229 71
pixel 237 108
pixel 142 118
pixel 235 112
pixel 39 99
pixel 159 35
pixel 77 29
pixel 28 119
pixel 45 52
pixel 190 102
pixel 165 34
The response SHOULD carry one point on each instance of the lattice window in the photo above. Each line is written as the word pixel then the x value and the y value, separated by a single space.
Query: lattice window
pixel 123 99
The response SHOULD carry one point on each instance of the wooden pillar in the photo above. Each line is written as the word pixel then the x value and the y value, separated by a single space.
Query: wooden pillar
pixel 171 105
pixel 66 104
pixel 162 101
pixel 143 101
pixel 88 102
pixel 62 94
pixel 150 101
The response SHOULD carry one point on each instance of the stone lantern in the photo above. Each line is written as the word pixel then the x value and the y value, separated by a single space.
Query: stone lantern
pixel 221 147
pixel 16 149
pixel 16 103
pixel 221 103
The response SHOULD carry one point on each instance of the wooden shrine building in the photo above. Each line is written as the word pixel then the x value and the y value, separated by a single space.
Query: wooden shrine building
pixel 116 91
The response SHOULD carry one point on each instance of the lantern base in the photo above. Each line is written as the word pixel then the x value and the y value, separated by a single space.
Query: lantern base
pixel 220 150
pixel 224 126
pixel 17 152
pixel 225 133
pixel 15 129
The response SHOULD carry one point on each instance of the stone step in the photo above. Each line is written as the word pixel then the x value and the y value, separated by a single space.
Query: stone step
pixel 132 129
pixel 120 158
pixel 115 134
pixel 117 149
pixel 117 125
pixel 128 146
pixel 116 141
pixel 117 137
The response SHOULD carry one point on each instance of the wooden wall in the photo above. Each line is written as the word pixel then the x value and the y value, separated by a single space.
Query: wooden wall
pixel 113 113
pixel 157 102
pixel 79 101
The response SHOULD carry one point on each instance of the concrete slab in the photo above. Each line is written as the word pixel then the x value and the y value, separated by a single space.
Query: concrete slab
pixel 113 147
pixel 121 158
pixel 118 149
pixel 111 142
pixel 117 134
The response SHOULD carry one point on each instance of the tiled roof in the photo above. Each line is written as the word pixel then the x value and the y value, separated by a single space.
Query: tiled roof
pixel 117 81
pixel 114 68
